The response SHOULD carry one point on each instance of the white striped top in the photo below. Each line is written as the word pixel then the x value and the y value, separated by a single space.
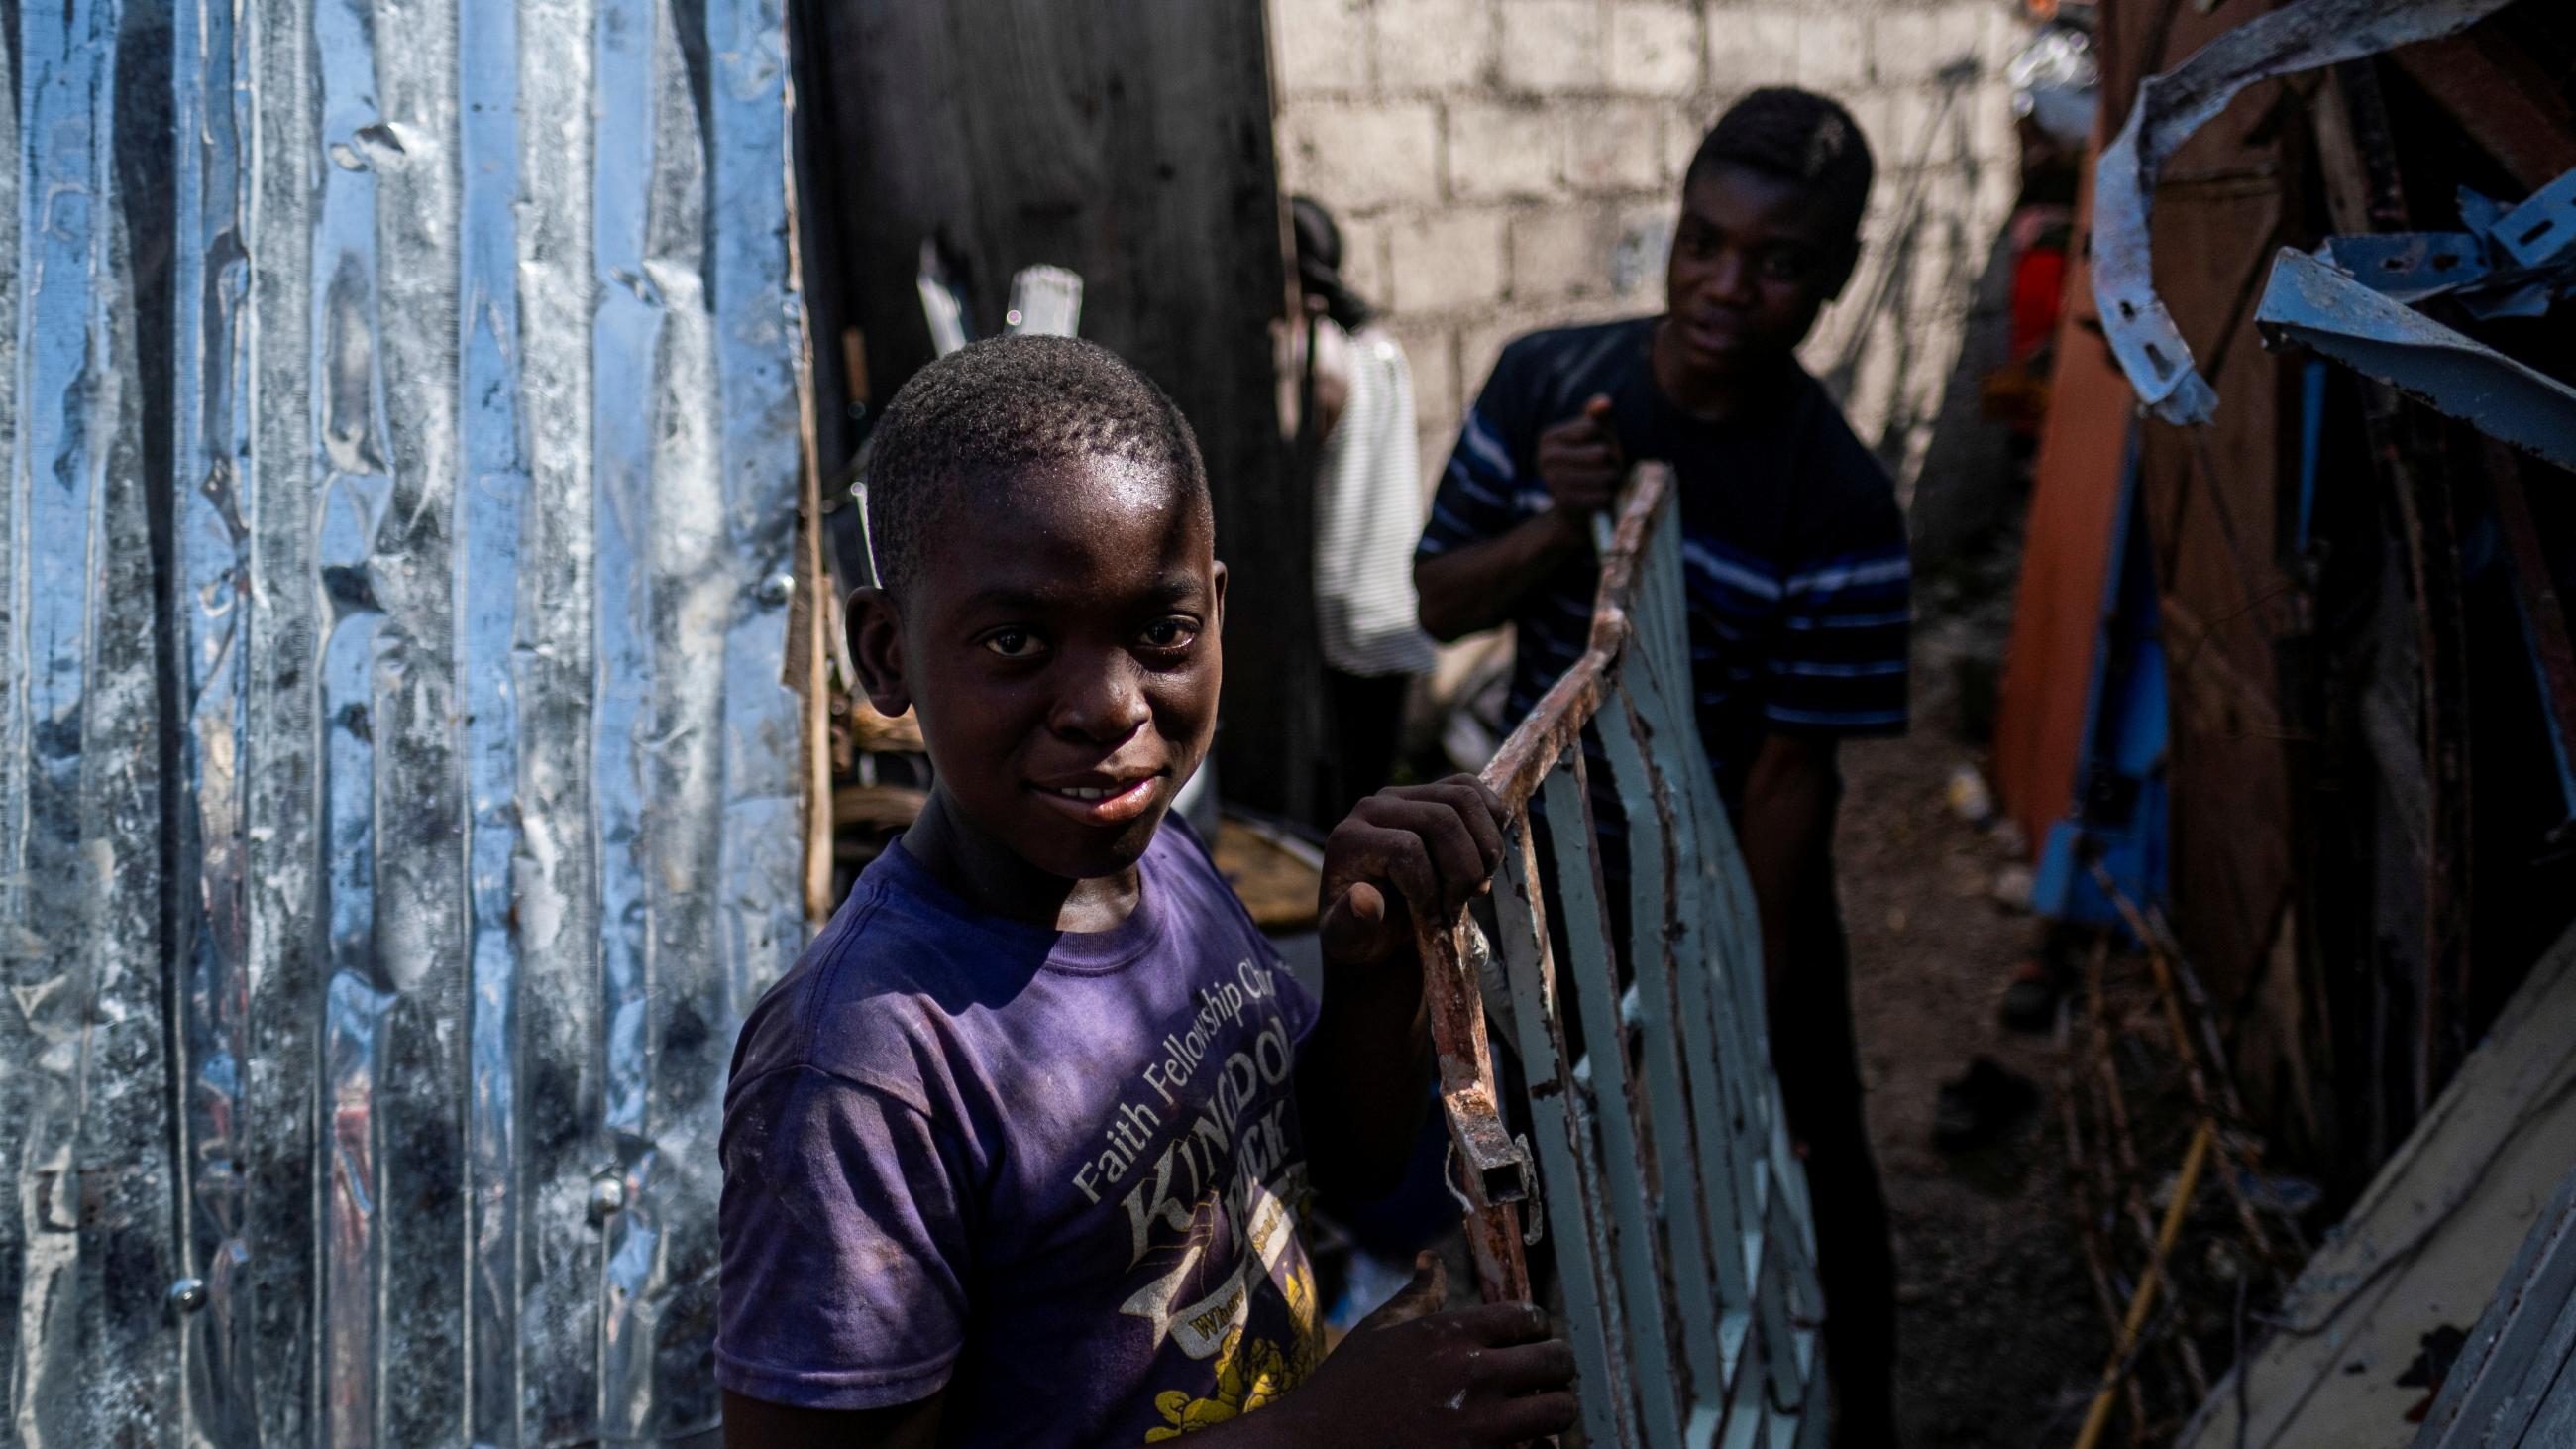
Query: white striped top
pixel 1368 514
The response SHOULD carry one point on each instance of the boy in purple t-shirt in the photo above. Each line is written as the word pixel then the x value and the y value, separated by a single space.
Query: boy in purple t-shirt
pixel 1015 1154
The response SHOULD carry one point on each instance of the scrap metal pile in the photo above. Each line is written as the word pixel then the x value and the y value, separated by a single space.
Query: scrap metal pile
pixel 2333 253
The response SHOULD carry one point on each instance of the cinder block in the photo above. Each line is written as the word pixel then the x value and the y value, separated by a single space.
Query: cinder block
pixel 1501 151
pixel 1990 123
pixel 1551 46
pixel 1640 252
pixel 1753 46
pixel 1447 261
pixel 1916 127
pixel 1362 157
pixel 1433 45
pixel 1655 49
pixel 2002 34
pixel 1613 147
pixel 1833 52
pixel 1907 46
pixel 1431 350
pixel 1319 46
pixel 1684 125
pixel 1364 242
pixel 1558 252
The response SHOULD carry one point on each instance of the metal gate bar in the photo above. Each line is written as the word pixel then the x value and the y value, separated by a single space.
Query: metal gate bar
pixel 1683 1243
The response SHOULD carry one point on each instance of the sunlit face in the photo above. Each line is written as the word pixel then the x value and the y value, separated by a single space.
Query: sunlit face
pixel 1754 258
pixel 1060 645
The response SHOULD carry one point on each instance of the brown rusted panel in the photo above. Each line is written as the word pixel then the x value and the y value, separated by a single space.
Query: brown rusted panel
pixel 2057 609
pixel 2212 502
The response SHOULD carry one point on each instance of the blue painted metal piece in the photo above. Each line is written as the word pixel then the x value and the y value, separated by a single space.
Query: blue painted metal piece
pixel 2542 231
pixel 2312 304
pixel 2119 814
pixel 2410 266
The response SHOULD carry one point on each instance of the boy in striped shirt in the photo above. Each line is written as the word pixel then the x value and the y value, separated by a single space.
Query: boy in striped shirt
pixel 1794 557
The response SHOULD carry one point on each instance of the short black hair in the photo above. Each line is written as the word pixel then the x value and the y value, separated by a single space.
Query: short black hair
pixel 1319 264
pixel 1797 136
pixel 1003 407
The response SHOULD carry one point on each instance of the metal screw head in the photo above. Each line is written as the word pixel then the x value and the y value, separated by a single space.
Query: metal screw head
pixel 188 1294
pixel 777 589
pixel 607 1196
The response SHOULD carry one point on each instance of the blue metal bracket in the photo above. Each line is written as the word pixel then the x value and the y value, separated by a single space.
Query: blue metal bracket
pixel 2312 304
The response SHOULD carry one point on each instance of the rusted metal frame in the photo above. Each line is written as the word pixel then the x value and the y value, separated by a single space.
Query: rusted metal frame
pixel 2424 509
pixel 1555 724
pixel 1720 1090
pixel 1734 921
pixel 1493 1166
pixel 1654 928
pixel 2544 618
pixel 1492 1176
pixel 1720 975
pixel 1561 1115
pixel 2510 1384
pixel 1592 959
pixel 1790 1304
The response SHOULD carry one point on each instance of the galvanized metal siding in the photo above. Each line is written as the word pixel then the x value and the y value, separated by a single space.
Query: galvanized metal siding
pixel 400 807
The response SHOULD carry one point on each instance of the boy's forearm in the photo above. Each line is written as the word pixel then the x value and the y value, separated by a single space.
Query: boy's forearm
pixel 1361 1077
pixel 1475 587
pixel 1787 835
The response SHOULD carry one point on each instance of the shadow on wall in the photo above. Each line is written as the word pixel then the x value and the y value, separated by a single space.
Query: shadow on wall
pixel 1880 357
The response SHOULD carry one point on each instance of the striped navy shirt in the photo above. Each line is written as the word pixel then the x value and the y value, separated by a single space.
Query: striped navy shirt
pixel 1793 547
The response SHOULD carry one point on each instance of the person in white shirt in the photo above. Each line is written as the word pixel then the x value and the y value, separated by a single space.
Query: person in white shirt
pixel 1356 429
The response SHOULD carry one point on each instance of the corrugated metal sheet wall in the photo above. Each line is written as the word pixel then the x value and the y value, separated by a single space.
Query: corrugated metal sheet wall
pixel 400 805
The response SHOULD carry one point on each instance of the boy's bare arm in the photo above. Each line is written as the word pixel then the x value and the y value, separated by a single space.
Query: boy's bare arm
pixel 1360 1079
pixel 1475 587
pixel 1478 1378
pixel 1788 831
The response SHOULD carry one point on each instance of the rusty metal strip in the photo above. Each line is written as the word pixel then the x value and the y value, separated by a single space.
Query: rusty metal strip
pixel 1671 1193
pixel 1720 1084
pixel 1654 931
pixel 1491 1166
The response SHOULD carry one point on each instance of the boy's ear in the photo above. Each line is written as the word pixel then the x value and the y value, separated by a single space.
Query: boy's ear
pixel 1219 610
pixel 876 646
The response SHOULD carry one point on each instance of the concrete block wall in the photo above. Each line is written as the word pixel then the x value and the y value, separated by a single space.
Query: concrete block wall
pixel 1501 165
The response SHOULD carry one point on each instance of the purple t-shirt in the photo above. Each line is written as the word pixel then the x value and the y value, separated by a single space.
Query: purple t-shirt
pixel 1058 1173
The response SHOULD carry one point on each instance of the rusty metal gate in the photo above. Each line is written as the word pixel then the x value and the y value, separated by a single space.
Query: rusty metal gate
pixel 400 803
pixel 1682 1239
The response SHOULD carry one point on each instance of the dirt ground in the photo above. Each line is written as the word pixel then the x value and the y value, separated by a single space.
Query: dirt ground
pixel 2000 1334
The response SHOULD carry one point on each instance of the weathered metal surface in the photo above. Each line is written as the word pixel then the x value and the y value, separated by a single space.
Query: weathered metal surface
pixel 2312 304
pixel 2169 108
pixel 2425 1246
pixel 401 802
pixel 2510 1384
pixel 1677 1214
